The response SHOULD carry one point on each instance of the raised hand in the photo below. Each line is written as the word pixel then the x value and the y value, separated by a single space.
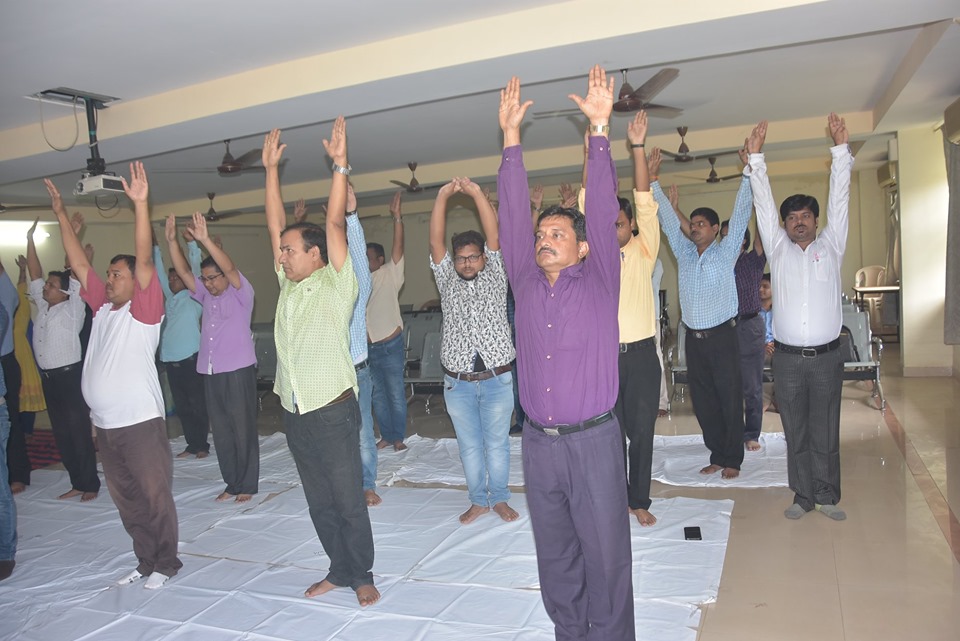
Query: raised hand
pixel 598 103
pixel 187 234
pixel 137 189
pixel 33 228
pixel 272 149
pixel 637 129
pixel 88 252
pixel 536 197
pixel 568 197
pixel 511 109
pixel 754 143
pixel 449 189
pixel 838 129
pixel 653 164
pixel 395 209
pixel 336 146
pixel 744 156
pixel 76 223
pixel 673 195
pixel 56 202
pixel 21 262
pixel 351 197
pixel 170 229
pixel 300 209
pixel 199 227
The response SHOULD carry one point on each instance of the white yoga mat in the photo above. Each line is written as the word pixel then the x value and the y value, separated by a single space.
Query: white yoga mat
pixel 677 460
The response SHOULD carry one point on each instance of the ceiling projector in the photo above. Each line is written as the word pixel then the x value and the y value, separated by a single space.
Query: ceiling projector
pixel 96 185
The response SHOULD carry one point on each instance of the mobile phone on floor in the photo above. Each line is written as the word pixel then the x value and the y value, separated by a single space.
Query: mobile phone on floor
pixel 692 533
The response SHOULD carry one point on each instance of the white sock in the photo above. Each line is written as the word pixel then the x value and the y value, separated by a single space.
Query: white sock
pixel 133 577
pixel 155 580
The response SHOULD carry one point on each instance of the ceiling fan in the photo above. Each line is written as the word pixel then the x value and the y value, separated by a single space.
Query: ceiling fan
pixel 683 153
pixel 229 166
pixel 713 177
pixel 13 209
pixel 630 99
pixel 414 186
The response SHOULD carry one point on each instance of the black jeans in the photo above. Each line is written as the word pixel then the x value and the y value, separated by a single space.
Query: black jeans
pixel 189 397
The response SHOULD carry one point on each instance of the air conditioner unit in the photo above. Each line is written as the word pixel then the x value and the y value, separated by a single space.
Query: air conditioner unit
pixel 887 174
pixel 951 122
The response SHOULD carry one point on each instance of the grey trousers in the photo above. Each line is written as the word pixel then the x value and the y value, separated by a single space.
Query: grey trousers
pixel 232 409
pixel 752 336
pixel 808 393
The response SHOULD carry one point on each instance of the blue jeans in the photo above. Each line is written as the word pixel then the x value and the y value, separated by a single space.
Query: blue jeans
pixel 368 444
pixel 481 412
pixel 389 397
pixel 8 508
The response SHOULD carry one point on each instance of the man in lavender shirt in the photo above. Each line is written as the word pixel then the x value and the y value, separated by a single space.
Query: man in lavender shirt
pixel 226 357
pixel 567 350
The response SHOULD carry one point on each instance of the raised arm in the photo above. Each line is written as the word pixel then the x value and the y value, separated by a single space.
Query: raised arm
pixel 768 218
pixel 645 213
pixel 276 215
pixel 69 229
pixel 396 213
pixel 636 138
pixel 180 264
pixel 674 195
pixel 33 261
pixel 336 148
pixel 138 190
pixel 488 215
pixel 438 221
pixel 838 200
pixel 221 258
pixel 516 232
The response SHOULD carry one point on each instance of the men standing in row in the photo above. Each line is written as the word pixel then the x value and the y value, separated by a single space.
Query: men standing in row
pixel 807 364
pixel 227 358
pixel 385 330
pixel 708 302
pixel 179 345
pixel 56 340
pixel 476 351
pixel 121 387
pixel 316 378
pixel 567 349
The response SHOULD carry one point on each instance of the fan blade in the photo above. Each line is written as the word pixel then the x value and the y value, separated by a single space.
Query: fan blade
pixel 400 184
pixel 556 113
pixel 731 176
pixel 648 90
pixel 192 170
pixel 428 187
pixel 11 209
pixel 716 154
pixel 662 111
pixel 678 157
pixel 250 157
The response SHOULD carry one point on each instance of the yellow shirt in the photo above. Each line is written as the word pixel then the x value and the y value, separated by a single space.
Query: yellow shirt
pixel 312 334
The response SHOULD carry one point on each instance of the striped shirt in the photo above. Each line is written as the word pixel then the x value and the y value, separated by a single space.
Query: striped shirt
pixel 357 245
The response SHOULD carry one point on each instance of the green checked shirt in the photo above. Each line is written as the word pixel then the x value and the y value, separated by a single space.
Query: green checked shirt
pixel 313 341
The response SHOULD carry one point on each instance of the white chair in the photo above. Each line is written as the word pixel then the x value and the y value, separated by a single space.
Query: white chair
pixel 872 276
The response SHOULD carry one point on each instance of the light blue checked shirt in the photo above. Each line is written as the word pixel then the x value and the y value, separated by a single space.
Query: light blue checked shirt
pixel 357 245
pixel 180 333
pixel 708 288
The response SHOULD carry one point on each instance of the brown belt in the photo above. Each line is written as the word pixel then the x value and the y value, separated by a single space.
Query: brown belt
pixel 347 394
pixel 478 376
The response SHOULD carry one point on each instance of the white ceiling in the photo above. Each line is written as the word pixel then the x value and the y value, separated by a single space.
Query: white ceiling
pixel 419 81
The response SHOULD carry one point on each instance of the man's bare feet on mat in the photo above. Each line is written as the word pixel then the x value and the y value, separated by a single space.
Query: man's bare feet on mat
pixel 399 446
pixel 69 495
pixel 367 595
pixel 471 515
pixel 382 444
pixel 320 588
pixel 752 446
pixel 643 516
pixel 88 496
pixel 506 512
pixel 225 496
pixel 372 498
pixel 243 498
pixel 16 487
pixel 730 473
pixel 711 469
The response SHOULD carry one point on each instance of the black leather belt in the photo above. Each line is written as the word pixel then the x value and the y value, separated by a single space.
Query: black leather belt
pixel 478 376
pixel 629 347
pixel 56 371
pixel 808 352
pixel 560 430
pixel 746 317
pixel 362 365
pixel 707 333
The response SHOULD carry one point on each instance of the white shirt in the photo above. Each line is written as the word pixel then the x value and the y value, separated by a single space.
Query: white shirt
pixel 806 283
pixel 56 332
pixel 383 308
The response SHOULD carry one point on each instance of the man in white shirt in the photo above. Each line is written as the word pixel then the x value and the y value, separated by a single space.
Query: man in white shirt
pixel 807 364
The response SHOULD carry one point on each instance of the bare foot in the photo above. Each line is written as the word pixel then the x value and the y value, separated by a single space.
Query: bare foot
pixel 16 487
pixel 398 446
pixel 752 446
pixel 367 595
pixel 184 454
pixel 711 469
pixel 242 498
pixel 89 496
pixel 506 512
pixel 203 454
pixel 730 473
pixel 471 515
pixel 225 496
pixel 382 444
pixel 69 495
pixel 662 413
pixel 372 498
pixel 320 588
pixel 644 517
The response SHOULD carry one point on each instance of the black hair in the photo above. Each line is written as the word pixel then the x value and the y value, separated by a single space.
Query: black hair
pixel 377 249
pixel 210 262
pixel 131 261
pixel 766 277
pixel 465 238
pixel 64 279
pixel 573 215
pixel 626 208
pixel 797 202
pixel 313 236
pixel 707 213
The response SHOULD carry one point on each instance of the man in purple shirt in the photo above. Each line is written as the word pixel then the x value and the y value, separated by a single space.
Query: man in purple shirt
pixel 226 357
pixel 567 350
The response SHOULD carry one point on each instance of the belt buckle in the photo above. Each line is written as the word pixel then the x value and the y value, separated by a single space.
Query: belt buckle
pixel 808 352
pixel 624 347
pixel 552 431
pixel 699 334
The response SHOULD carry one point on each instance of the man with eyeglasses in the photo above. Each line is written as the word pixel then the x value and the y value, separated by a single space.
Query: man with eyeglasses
pixel 227 358
pixel 476 349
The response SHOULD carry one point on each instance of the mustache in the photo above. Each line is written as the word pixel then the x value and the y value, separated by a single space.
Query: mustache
pixel 547 250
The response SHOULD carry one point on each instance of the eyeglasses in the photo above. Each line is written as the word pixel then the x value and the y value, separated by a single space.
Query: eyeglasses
pixel 210 279
pixel 472 258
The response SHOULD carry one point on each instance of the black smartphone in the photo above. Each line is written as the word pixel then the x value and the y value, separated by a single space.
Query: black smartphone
pixel 692 533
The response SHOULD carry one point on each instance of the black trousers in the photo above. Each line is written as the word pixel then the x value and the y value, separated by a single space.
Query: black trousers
pixel 190 399
pixel 232 406
pixel 70 422
pixel 637 404
pixel 17 459
pixel 713 372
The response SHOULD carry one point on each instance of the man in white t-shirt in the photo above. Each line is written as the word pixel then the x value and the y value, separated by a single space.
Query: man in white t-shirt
pixel 121 386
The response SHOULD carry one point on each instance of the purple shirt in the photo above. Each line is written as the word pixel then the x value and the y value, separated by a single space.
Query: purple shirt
pixel 226 342
pixel 747 271
pixel 568 334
